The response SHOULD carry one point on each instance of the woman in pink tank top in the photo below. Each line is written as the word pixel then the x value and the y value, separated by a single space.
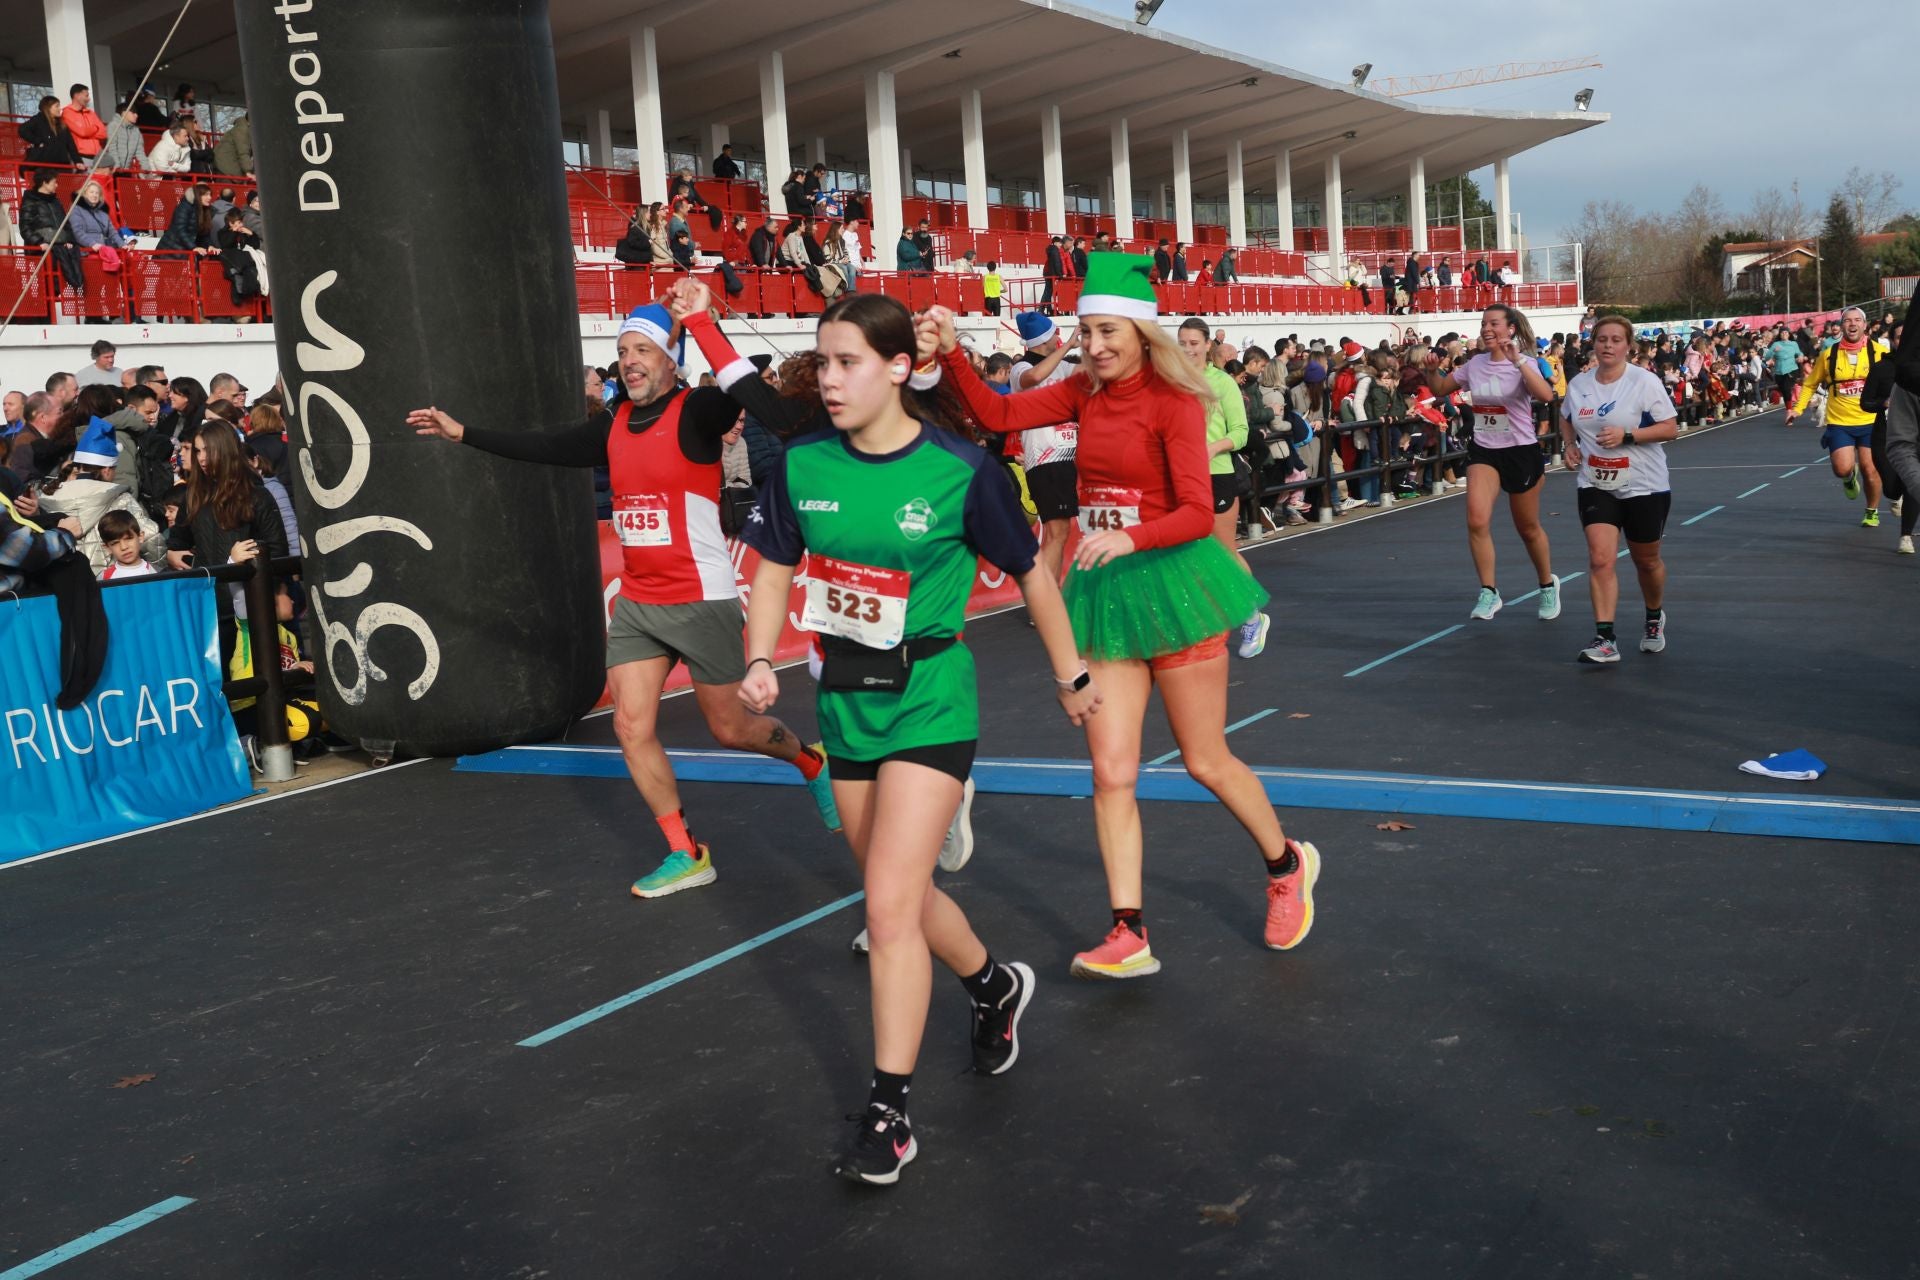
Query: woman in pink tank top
pixel 1504 380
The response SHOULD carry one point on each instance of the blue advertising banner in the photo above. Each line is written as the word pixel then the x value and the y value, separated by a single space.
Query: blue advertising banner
pixel 151 743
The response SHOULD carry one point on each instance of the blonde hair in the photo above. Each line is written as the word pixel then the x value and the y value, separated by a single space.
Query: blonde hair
pixel 1159 352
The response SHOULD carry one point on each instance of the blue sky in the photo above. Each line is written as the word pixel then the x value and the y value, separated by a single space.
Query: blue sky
pixel 1694 97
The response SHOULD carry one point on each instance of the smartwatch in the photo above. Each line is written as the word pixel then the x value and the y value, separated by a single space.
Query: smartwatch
pixel 1076 684
pixel 1626 437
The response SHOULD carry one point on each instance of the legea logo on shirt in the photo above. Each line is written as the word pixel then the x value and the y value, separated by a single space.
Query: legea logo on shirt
pixel 916 519
pixel 819 504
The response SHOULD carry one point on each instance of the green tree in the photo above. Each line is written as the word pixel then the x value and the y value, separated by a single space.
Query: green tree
pixel 1902 256
pixel 1461 197
pixel 1846 272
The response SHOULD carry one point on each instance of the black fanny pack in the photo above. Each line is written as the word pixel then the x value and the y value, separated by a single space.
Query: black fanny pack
pixel 855 668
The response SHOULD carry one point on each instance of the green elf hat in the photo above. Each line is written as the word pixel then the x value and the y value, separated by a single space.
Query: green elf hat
pixel 1119 284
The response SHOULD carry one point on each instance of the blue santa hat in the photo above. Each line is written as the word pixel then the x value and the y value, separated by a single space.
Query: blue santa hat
pixel 654 324
pixel 1035 328
pixel 97 447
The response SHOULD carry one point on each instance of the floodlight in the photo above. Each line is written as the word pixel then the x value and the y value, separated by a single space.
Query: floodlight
pixel 1583 100
pixel 1360 75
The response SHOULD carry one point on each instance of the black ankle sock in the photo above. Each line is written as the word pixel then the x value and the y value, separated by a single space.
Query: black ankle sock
pixel 1288 863
pixel 1604 630
pixel 1131 917
pixel 1653 615
pixel 991 985
pixel 890 1090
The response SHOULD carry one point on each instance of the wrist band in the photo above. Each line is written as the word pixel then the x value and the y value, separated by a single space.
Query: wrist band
pixel 768 661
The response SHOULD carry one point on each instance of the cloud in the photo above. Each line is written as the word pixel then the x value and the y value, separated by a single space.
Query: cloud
pixel 1704 94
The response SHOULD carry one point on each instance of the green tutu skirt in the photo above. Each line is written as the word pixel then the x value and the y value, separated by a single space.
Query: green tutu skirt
pixel 1160 601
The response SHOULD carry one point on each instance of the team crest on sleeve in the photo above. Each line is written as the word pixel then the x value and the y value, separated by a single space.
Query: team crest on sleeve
pixel 916 519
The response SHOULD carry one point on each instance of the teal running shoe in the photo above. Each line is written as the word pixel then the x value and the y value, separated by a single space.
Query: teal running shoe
pixel 822 788
pixel 681 870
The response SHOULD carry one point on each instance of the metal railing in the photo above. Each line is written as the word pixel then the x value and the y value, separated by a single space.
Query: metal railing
pixel 267 685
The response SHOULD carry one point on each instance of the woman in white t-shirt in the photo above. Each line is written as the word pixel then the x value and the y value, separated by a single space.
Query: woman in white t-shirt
pixel 1612 427
pixel 1504 379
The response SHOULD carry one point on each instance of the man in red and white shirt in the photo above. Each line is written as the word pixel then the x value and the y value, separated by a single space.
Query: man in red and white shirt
pixel 678 600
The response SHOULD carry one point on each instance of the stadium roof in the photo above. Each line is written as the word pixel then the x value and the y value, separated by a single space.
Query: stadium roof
pixel 1022 54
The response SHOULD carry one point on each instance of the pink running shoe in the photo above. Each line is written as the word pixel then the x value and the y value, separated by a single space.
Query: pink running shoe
pixel 1124 954
pixel 1290 899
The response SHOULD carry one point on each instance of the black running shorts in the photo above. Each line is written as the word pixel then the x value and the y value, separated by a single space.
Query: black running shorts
pixel 1521 466
pixel 955 759
pixel 1054 488
pixel 1642 518
pixel 1226 491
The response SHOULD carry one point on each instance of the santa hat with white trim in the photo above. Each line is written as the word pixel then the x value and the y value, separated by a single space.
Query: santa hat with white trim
pixel 1119 284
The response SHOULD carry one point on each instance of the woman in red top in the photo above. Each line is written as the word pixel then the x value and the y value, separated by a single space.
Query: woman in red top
pixel 1152 594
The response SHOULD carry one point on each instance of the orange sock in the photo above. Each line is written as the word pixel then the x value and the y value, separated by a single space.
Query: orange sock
pixel 809 762
pixel 674 827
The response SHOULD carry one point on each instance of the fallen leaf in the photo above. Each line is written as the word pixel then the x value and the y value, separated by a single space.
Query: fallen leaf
pixel 1226 1215
pixel 132 1082
pixel 1394 825
pixel 1301 715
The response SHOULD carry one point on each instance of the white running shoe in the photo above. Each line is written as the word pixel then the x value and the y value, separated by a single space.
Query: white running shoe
pixel 1487 605
pixel 958 846
pixel 1905 547
pixel 1253 635
pixel 1550 600
pixel 859 944
pixel 1655 638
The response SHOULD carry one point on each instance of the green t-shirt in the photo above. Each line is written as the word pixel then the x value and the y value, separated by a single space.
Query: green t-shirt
pixel 931 510
pixel 1226 419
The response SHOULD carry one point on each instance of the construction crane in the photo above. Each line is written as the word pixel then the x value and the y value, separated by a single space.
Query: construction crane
pixel 1407 86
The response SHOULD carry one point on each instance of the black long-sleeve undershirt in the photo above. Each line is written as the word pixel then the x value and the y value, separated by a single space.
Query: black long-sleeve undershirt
pixel 707 415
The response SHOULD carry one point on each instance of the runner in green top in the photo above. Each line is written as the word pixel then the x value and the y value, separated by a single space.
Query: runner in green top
pixel 892 514
pixel 1226 434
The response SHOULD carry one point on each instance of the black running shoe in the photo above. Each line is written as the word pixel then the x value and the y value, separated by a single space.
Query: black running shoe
pixel 882 1146
pixel 996 1028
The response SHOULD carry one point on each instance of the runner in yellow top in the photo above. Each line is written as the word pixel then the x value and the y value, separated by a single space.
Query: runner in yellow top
pixel 1842 369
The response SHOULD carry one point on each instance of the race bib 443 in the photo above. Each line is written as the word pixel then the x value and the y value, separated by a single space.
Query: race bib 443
pixel 1106 506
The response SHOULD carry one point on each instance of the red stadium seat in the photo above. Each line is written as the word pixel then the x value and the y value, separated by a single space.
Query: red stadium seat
pixel 161 286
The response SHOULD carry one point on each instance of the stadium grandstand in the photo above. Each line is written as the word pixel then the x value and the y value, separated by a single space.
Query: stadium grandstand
pixel 1000 127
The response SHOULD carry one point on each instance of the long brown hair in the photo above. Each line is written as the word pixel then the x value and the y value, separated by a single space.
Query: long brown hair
pixel 223 480
pixel 885 324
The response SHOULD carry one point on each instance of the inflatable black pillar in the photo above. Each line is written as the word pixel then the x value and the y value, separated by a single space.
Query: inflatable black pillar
pixel 408 153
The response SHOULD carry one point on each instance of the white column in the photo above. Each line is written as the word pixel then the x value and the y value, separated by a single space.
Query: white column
pixel 819 151
pixel 718 136
pixel 105 93
pixel 1122 181
pixel 1236 196
pixel 883 159
pixel 973 146
pixel 775 150
pixel 67 46
pixel 1334 208
pixel 600 140
pixel 1417 203
pixel 649 134
pixel 1159 202
pixel 1182 189
pixel 1053 175
pixel 1283 197
pixel 1502 206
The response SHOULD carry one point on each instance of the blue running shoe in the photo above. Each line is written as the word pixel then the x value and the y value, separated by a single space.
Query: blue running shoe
pixel 822 788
